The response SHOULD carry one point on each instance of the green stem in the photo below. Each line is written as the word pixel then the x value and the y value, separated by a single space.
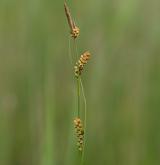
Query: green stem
pixel 85 120
pixel 78 81
pixel 78 97
pixel 69 52
pixel 76 49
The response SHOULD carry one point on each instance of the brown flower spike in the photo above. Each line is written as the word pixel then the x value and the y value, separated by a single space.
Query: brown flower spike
pixel 80 64
pixel 74 29
pixel 79 133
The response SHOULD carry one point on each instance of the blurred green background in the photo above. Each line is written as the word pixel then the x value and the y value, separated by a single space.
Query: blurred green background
pixel 121 81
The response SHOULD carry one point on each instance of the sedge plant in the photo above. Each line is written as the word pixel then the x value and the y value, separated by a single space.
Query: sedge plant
pixel 78 63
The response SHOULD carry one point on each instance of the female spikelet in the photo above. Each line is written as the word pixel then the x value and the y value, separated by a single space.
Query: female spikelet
pixel 79 133
pixel 81 62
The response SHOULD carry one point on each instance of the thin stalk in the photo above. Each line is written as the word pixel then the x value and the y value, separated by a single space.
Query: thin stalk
pixel 80 87
pixel 69 51
pixel 78 82
pixel 85 120
pixel 78 97
pixel 76 49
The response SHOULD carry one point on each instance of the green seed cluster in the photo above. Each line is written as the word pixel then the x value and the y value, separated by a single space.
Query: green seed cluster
pixel 79 133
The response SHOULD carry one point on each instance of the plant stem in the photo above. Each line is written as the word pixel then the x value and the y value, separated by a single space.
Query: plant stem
pixel 78 97
pixel 69 52
pixel 78 82
pixel 85 120
pixel 76 49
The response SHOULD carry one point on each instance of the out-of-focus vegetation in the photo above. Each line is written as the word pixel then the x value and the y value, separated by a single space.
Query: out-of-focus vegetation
pixel 122 82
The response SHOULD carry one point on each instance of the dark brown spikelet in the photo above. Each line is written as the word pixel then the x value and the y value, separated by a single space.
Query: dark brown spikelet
pixel 80 64
pixel 79 133
pixel 74 29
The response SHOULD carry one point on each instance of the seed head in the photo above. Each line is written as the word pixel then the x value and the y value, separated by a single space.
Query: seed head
pixel 79 133
pixel 81 62
pixel 73 28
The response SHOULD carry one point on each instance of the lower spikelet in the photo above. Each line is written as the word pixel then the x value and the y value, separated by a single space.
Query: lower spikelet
pixel 79 133
pixel 80 64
